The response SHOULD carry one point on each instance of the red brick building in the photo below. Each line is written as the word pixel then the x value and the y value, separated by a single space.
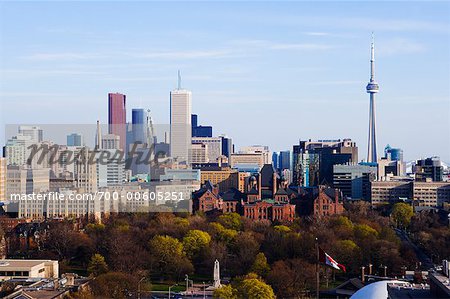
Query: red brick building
pixel 328 202
pixel 269 209
pixel 250 205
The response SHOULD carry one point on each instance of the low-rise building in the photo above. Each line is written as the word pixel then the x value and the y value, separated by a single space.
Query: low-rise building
pixel 428 194
pixel 354 179
pixel 225 177
pixel 28 268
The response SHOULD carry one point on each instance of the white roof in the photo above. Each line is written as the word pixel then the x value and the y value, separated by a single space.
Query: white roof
pixel 376 290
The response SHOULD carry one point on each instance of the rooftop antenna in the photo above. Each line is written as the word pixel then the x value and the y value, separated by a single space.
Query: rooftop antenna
pixel 179 80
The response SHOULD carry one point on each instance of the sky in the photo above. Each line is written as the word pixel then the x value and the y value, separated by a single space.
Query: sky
pixel 268 73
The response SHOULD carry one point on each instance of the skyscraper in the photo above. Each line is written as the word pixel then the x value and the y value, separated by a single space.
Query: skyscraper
pixel 139 121
pixel 180 123
pixel 372 88
pixel 117 117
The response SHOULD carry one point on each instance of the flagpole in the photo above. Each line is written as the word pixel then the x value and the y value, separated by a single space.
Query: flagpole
pixel 317 270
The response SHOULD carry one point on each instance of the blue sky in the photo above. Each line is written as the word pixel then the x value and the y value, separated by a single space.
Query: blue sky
pixel 262 72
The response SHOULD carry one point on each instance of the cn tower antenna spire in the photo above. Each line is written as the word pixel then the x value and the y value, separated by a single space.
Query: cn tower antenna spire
pixel 372 88
pixel 372 60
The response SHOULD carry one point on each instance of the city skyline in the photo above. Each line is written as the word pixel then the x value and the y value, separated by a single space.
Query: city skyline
pixel 319 73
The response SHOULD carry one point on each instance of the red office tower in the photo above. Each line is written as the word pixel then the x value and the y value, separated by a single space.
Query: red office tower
pixel 117 117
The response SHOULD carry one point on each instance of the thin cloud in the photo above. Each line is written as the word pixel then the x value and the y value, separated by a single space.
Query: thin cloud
pixel 274 45
pixel 317 33
pixel 400 46
pixel 61 56
pixel 183 54
pixel 300 46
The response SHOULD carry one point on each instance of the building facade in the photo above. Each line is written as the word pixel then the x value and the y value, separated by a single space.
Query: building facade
pixel 2 179
pixel 429 194
pixel 74 139
pixel 117 117
pixel 214 147
pixel 354 179
pixel 180 124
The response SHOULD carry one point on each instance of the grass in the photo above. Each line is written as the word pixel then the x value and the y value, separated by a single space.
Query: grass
pixel 163 287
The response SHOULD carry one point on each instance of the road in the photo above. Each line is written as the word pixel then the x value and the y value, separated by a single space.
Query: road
pixel 423 258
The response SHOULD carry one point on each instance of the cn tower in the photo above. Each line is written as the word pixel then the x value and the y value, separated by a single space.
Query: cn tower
pixel 372 88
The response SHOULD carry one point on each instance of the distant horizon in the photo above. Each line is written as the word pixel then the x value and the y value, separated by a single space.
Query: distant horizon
pixel 260 73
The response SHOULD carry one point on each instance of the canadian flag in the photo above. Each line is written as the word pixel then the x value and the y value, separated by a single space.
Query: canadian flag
pixel 329 261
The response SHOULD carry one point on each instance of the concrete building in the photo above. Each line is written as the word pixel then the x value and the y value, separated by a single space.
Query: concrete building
pixel 24 180
pixel 181 175
pixel 199 153
pixel 34 132
pixel 214 147
pixel 117 117
pixel 258 149
pixel 10 268
pixel 2 179
pixel 428 194
pixel 110 171
pixel 75 139
pixel 390 168
pixel 175 191
pixel 243 159
pixel 429 169
pixel 16 149
pixel 354 179
pixel 111 141
pixel 86 172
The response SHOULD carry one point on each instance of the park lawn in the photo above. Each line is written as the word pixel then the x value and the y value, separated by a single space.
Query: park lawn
pixel 163 287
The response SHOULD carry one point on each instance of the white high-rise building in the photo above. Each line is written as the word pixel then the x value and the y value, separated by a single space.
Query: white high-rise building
pixel 111 170
pixel 35 133
pixel 110 141
pixel 180 123
pixel 17 149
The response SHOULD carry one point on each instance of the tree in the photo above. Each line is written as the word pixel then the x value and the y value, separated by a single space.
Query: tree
pixel 231 221
pixel 245 248
pixel 225 292
pixel 282 228
pixel 254 288
pixel 168 257
pixel 260 265
pixel 223 234
pixel 402 214
pixel 115 285
pixel 195 241
pixel 349 254
pixel 363 231
pixel 291 278
pixel 97 265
